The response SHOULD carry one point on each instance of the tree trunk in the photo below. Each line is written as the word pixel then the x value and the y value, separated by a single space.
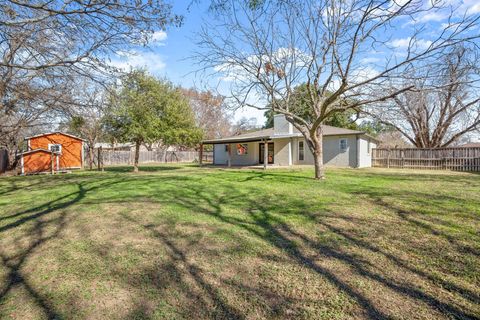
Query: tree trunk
pixel 12 159
pixel 137 155
pixel 317 141
pixel 91 150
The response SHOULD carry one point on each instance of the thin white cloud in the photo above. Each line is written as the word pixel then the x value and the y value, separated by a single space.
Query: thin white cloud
pixel 363 74
pixel 284 59
pixel 151 61
pixel 471 6
pixel 368 60
pixel 158 38
pixel 405 43
pixel 433 11
pixel 431 16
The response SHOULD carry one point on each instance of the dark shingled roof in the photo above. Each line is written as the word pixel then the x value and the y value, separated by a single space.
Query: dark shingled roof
pixel 249 136
pixel 269 133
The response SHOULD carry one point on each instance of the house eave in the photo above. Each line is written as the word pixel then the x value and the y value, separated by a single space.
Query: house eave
pixel 231 140
pixel 283 136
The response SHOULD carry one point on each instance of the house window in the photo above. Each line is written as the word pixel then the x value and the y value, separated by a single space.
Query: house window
pixel 369 147
pixel 301 151
pixel 343 144
pixel 57 148
pixel 226 148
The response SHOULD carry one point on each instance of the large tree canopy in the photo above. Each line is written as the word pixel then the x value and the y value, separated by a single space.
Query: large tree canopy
pixel 147 110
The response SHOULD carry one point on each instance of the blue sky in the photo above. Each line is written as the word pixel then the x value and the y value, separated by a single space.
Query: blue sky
pixel 168 55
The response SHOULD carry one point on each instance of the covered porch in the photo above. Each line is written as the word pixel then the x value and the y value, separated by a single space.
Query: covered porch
pixel 242 153
pixel 249 149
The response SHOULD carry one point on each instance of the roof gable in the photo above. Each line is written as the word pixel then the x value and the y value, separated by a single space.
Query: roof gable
pixel 52 133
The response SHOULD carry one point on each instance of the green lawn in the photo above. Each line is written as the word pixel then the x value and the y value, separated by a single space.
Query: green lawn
pixel 186 242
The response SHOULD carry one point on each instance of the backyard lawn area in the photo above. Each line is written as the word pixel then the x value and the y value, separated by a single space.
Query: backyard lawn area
pixel 182 242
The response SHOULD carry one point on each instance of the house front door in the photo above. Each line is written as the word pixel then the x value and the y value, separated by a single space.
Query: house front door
pixel 261 152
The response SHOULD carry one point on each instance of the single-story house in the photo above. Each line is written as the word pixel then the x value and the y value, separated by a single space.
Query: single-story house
pixel 286 146
pixel 61 150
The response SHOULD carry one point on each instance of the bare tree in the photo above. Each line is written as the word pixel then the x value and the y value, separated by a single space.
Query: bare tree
pixel 74 33
pixel 392 139
pixel 211 114
pixel 46 44
pixel 265 49
pixel 29 100
pixel 85 117
pixel 244 125
pixel 443 105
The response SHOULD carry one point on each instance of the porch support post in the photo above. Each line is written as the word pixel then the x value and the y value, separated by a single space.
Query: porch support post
pixel 200 155
pixel 290 149
pixel 265 154
pixel 229 161
pixel 51 163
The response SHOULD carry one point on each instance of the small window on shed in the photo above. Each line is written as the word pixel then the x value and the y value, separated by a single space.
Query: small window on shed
pixel 301 151
pixel 226 148
pixel 369 147
pixel 57 148
pixel 343 144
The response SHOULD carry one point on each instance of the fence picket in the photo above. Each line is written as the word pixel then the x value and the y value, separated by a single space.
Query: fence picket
pixel 118 157
pixel 459 159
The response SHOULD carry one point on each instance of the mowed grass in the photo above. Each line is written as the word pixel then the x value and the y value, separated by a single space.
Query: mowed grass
pixel 177 242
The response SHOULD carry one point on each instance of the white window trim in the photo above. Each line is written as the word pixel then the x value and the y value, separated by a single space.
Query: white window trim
pixel 340 144
pixel 298 150
pixel 369 147
pixel 55 144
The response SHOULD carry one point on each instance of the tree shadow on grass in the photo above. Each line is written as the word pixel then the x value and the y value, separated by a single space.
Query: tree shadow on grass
pixel 262 218
pixel 44 221
pixel 143 168
pixel 272 235
pixel 264 215
pixel 221 310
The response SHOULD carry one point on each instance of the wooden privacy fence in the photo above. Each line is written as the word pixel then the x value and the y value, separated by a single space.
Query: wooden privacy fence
pixel 114 157
pixel 458 159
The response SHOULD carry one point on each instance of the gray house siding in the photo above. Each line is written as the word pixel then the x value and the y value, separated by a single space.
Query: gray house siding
pixel 365 153
pixel 332 154
pixel 220 156
pixel 282 151
pixel 251 158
